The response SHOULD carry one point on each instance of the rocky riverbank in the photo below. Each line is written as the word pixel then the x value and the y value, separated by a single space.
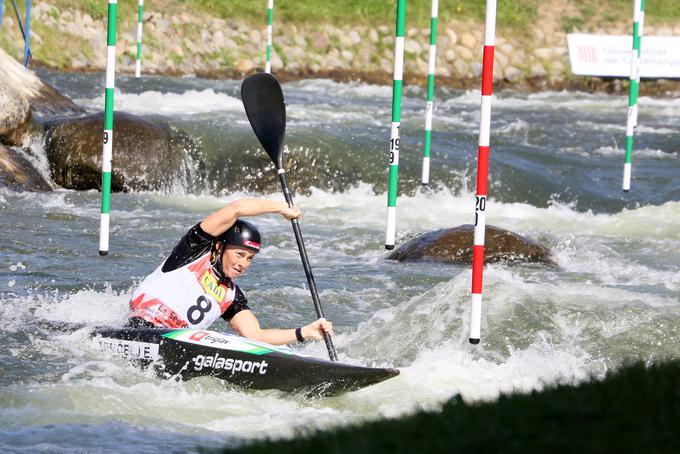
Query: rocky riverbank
pixel 198 44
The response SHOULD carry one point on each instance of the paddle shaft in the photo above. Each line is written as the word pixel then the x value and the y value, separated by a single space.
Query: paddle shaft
pixel 266 110
pixel 305 263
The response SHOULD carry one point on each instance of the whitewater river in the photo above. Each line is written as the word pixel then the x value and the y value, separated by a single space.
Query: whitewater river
pixel 555 176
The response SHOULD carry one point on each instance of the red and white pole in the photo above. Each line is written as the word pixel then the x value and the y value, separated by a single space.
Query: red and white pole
pixel 482 172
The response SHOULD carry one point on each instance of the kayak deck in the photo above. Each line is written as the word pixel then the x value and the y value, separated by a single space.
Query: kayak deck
pixel 185 354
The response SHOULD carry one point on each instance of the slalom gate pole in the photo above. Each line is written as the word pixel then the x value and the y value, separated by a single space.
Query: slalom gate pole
pixel 482 172
pixel 108 129
pixel 138 62
pixel 396 122
pixel 2 12
pixel 270 18
pixel 631 122
pixel 27 35
pixel 21 25
pixel 430 94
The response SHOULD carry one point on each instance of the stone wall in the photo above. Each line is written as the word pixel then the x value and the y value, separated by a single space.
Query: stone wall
pixel 202 45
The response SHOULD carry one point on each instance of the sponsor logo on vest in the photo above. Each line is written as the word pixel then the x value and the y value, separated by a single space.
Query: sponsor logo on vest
pixel 212 287
pixel 234 365
pixel 128 349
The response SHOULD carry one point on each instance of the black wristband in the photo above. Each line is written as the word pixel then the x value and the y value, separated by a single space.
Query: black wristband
pixel 298 334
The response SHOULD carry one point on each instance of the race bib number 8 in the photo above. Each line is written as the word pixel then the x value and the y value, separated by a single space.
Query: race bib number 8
pixel 196 313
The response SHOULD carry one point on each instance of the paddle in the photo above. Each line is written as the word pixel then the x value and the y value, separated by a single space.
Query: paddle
pixel 263 100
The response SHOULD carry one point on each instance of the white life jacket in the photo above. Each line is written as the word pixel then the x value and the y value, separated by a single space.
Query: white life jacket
pixel 188 297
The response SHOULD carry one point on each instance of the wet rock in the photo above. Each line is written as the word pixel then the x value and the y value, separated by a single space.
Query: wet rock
pixel 146 155
pixel 24 96
pixel 17 173
pixel 49 102
pixel 454 245
pixel 15 115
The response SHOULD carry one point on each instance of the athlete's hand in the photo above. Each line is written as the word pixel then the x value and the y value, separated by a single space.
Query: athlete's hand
pixel 316 329
pixel 289 213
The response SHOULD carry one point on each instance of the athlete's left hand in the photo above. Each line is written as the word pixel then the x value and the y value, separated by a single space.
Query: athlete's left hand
pixel 316 329
pixel 288 212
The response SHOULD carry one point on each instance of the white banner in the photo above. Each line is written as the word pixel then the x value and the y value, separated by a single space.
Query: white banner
pixel 609 55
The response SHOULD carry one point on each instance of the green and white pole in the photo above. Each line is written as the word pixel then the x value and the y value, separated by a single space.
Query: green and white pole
pixel 138 63
pixel 270 17
pixel 429 107
pixel 108 129
pixel 631 122
pixel 394 130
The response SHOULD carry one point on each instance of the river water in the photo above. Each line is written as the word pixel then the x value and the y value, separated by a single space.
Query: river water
pixel 555 172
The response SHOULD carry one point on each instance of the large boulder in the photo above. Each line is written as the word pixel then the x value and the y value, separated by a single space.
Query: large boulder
pixel 22 96
pixel 18 174
pixel 15 113
pixel 454 245
pixel 146 155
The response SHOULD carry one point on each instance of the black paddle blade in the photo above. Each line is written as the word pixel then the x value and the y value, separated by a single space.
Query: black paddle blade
pixel 263 100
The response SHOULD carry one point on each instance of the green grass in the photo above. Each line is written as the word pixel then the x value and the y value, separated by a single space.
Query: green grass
pixel 9 45
pixel 52 47
pixel 176 59
pixel 363 12
pixel 511 14
pixel 569 23
pixel 635 409
pixel 664 11
pixel 96 8
pixel 282 55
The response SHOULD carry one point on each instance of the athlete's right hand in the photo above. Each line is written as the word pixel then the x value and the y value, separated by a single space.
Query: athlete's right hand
pixel 316 329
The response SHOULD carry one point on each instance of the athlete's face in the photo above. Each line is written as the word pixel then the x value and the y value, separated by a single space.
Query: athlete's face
pixel 236 260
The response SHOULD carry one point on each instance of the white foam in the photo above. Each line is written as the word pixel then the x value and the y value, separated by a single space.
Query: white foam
pixel 354 89
pixel 155 102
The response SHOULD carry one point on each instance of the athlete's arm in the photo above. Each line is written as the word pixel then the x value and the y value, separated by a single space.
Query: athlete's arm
pixel 219 221
pixel 245 324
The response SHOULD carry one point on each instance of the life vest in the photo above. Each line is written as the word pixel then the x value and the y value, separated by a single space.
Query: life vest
pixel 188 297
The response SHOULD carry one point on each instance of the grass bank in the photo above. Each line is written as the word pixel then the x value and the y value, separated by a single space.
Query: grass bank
pixel 364 12
pixel 635 409
pixel 511 13
pixel 580 14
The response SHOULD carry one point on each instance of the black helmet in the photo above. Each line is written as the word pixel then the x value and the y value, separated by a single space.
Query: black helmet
pixel 243 234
